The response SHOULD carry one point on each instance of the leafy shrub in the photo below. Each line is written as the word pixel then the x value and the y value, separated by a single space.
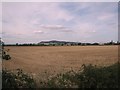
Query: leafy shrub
pixel 17 79
pixel 59 81
pixel 88 77
pixel 6 57
pixel 99 77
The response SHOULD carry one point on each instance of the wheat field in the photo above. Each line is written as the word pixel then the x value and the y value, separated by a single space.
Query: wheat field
pixel 56 59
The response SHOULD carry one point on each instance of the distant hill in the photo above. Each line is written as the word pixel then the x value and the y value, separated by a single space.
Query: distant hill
pixel 55 42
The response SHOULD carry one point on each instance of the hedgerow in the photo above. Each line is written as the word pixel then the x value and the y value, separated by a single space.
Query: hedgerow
pixel 17 79
pixel 89 76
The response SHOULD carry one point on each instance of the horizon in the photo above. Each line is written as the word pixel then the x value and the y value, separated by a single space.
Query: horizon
pixel 60 41
pixel 25 22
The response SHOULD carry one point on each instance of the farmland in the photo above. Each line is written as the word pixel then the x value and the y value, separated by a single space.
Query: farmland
pixel 56 59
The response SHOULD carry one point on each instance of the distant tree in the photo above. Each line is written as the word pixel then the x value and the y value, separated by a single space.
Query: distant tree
pixel 95 44
pixel 17 44
pixel 79 43
pixel 117 42
pixel 111 43
pixel 88 43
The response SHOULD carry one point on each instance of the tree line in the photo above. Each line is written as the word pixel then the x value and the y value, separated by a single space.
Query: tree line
pixel 63 44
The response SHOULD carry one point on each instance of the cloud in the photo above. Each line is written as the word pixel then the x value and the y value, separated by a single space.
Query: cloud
pixel 38 32
pixel 54 27
pixel 67 30
pixel 71 21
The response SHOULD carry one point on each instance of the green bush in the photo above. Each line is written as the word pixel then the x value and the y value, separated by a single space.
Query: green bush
pixel 88 77
pixel 99 77
pixel 16 79
pixel 6 57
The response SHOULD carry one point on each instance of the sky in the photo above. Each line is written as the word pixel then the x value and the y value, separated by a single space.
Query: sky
pixel 32 22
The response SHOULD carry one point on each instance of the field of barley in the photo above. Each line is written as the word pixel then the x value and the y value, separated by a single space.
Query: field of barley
pixel 57 59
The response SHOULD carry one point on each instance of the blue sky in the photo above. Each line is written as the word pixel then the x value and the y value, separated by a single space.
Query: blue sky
pixel 32 22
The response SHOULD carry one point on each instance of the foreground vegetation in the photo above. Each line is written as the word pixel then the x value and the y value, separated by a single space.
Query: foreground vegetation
pixel 87 77
pixel 17 79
